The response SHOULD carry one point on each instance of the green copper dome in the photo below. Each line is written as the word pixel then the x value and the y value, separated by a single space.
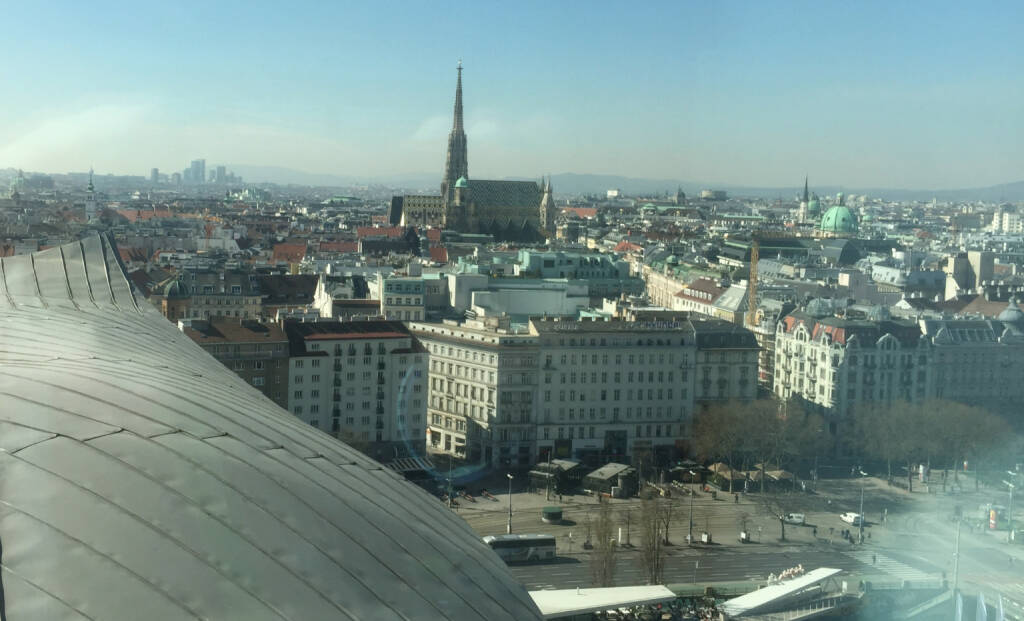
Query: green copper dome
pixel 462 182
pixel 813 207
pixel 176 289
pixel 839 219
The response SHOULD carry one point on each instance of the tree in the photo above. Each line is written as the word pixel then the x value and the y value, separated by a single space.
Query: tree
pixel 875 433
pixel 719 432
pixel 652 553
pixel 604 556
pixel 666 509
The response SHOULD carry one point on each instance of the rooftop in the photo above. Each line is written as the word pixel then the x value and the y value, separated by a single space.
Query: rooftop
pixel 140 474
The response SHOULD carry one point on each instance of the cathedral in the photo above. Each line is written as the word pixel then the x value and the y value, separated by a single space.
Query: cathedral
pixel 522 211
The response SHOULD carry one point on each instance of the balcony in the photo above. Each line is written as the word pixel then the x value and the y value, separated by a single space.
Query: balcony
pixel 381 366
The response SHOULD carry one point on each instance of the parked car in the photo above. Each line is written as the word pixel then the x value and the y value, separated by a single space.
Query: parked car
pixel 794 518
pixel 851 518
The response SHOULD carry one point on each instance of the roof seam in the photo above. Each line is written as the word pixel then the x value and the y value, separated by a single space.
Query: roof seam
pixel 181 544
pixel 67 279
pixel 41 590
pixel 378 528
pixel 273 515
pixel 3 283
pixel 85 268
pixel 174 601
pixel 35 279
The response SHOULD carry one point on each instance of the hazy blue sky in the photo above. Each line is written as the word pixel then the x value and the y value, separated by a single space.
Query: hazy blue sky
pixel 883 94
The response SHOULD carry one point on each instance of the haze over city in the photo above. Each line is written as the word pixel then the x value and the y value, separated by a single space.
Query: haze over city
pixel 873 95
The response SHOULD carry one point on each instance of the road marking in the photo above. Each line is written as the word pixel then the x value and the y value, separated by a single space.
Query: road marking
pixel 889 565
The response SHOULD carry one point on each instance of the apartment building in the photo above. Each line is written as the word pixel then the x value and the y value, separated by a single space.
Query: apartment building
pixel 257 352
pixel 482 386
pixel 361 381
pixel 586 389
pixel 614 389
pixel 402 298
pixel 834 363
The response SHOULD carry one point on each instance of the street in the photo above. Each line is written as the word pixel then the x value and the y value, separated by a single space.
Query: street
pixel 907 537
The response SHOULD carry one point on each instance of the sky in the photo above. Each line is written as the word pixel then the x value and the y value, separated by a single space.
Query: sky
pixel 923 95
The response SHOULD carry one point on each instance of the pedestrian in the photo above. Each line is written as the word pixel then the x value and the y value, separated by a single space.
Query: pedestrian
pixel 559 498
pixel 874 559
pixel 737 498
pixel 814 531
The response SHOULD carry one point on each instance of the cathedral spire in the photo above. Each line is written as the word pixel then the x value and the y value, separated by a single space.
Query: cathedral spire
pixel 457 163
pixel 457 123
pixel 806 195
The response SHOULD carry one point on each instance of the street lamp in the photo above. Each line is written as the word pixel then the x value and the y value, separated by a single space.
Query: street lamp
pixel 862 477
pixel 509 530
pixel 689 538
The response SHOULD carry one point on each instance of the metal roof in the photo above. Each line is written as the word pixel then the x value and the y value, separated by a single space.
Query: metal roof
pixel 140 476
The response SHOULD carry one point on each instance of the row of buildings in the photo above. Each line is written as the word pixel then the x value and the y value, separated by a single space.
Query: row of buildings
pixel 492 393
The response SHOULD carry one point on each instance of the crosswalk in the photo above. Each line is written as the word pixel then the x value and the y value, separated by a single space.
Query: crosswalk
pixel 888 565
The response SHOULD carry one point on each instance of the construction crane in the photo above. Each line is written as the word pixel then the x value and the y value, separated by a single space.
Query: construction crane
pixel 755 255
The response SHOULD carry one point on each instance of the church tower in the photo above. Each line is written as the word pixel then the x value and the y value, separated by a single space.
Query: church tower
pixel 90 200
pixel 547 210
pixel 456 164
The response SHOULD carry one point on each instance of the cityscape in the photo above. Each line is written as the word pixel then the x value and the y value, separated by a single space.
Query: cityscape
pixel 237 383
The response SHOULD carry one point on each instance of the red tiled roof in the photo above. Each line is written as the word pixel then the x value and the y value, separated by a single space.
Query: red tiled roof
pixel 434 235
pixel 339 246
pixel 625 246
pixel 439 254
pixel 129 254
pixel 134 215
pixel 581 212
pixel 377 231
pixel 292 253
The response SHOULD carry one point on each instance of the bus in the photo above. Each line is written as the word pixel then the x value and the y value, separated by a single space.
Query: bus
pixel 522 548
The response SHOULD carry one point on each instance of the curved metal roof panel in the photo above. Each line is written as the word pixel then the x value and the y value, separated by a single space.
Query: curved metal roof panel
pixel 137 474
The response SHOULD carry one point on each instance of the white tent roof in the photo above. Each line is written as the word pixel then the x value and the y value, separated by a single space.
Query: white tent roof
pixel 753 602
pixel 568 602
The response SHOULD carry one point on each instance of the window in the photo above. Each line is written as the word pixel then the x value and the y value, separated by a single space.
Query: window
pixel 257 381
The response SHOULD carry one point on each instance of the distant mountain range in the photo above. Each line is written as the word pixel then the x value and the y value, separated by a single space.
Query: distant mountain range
pixel 583 184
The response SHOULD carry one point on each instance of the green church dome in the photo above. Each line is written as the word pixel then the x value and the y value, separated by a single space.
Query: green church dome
pixel 839 219
pixel 813 207
pixel 176 289
pixel 462 182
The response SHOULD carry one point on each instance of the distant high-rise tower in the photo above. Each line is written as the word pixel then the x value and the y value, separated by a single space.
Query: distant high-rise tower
pixel 457 163
pixel 154 176
pixel 90 200
pixel 222 174
pixel 198 168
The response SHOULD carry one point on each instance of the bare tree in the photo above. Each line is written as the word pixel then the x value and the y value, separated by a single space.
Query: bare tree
pixel 666 509
pixel 587 527
pixel 603 558
pixel 652 553
pixel 720 432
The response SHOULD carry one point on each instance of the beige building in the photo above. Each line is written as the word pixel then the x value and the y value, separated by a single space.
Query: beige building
pixel 482 385
pixel 591 390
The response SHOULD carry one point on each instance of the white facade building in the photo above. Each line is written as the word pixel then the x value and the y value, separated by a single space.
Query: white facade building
pixel 362 381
